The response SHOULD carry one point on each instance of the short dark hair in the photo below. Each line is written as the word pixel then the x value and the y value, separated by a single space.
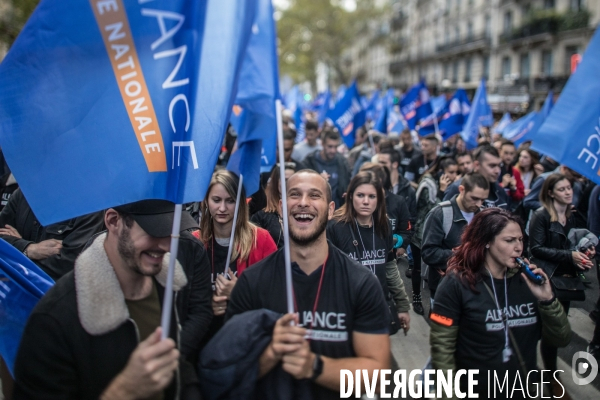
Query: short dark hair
pixel 331 135
pixel 394 156
pixel 312 125
pixel 465 154
pixel 328 193
pixel 127 218
pixel 446 162
pixel 506 142
pixel 481 151
pixel 431 138
pixel 469 181
pixel 289 134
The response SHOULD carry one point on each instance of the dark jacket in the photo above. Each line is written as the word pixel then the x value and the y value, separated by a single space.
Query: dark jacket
pixel 405 190
pixel 229 363
pixel 548 244
pixel 74 233
pixel 80 336
pixel 310 162
pixel 502 199
pixel 437 249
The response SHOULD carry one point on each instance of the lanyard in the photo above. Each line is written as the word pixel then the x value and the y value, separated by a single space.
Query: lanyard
pixel 363 243
pixel 506 352
pixel 316 297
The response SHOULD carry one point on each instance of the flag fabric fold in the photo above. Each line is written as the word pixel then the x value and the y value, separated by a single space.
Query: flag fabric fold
pixel 479 115
pixel 348 115
pixel 571 131
pixel 22 285
pixel 503 123
pixel 258 88
pixel 415 105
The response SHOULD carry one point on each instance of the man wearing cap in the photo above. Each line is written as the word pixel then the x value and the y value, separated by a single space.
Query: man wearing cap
pixel 96 333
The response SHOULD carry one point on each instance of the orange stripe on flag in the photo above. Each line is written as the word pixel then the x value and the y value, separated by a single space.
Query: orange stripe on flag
pixel 440 319
pixel 116 33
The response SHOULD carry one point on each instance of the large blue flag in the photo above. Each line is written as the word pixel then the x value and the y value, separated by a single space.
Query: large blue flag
pixel 415 105
pixel 437 103
pixel 480 115
pixel 572 130
pixel 348 115
pixel 539 120
pixel 258 89
pixel 503 123
pixel 22 285
pixel 341 92
pixel 518 130
pixel 108 102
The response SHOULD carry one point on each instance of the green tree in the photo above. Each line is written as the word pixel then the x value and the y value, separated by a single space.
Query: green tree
pixel 312 31
pixel 14 17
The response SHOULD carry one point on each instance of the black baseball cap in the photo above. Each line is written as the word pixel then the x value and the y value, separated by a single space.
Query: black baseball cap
pixel 155 217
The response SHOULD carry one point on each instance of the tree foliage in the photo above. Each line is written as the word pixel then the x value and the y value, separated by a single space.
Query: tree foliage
pixel 312 31
pixel 14 15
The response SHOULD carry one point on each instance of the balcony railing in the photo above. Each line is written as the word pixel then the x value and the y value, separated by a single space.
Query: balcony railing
pixel 548 22
pixel 467 44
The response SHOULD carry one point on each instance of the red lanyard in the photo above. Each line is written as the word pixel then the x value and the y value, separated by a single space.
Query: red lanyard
pixel 316 298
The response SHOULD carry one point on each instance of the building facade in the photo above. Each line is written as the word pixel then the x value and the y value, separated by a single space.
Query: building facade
pixel 523 48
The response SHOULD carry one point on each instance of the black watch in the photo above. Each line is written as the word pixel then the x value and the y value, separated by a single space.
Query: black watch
pixel 317 367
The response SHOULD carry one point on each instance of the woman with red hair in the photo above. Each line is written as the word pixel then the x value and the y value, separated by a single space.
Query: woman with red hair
pixel 485 316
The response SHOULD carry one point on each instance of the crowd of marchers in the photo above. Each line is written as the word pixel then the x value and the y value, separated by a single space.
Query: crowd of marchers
pixel 472 228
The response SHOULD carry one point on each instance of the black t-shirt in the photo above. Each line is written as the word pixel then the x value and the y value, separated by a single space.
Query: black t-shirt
pixel 481 337
pixel 272 223
pixel 359 246
pixel 398 214
pixel 350 301
pixel 405 158
pixel 417 167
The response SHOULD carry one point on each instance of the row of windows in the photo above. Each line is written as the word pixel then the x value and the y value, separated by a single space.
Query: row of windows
pixel 451 69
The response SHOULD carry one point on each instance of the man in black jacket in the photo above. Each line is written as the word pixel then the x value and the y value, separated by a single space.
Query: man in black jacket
pixel 487 163
pixel 54 247
pixel 445 223
pixel 96 333
pixel 331 165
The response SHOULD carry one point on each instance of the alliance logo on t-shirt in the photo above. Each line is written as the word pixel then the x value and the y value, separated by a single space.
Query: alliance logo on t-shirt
pixel 333 326
pixel 518 315
pixel 370 258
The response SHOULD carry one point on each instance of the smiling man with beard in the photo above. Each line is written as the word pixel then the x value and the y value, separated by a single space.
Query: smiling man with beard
pixel 341 319
pixel 96 333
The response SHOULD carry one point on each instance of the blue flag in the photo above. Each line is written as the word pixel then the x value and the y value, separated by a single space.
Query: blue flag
pixel 503 123
pixel 572 130
pixel 348 115
pixel 480 115
pixel 371 105
pixel 108 102
pixel 341 92
pixel 258 89
pixel 324 108
pixel 519 129
pixel 22 285
pixel 437 103
pixel 451 118
pixel 415 105
pixel 539 121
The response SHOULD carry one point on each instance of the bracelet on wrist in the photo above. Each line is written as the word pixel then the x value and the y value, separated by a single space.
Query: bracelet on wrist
pixel 547 302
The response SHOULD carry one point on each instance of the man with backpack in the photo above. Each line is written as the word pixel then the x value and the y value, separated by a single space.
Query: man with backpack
pixel 445 223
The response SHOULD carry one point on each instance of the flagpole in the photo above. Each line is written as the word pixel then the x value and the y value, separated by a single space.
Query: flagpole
pixel 284 211
pixel 435 124
pixel 370 135
pixel 234 224
pixel 165 321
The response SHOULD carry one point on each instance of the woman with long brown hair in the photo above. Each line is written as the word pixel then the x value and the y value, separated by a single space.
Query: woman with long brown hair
pixel 250 244
pixel 485 316
pixel 551 249
pixel 361 229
